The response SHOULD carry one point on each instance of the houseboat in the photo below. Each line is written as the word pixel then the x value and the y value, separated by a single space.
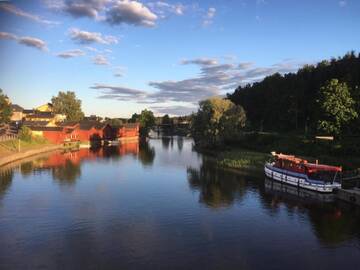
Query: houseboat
pixel 301 173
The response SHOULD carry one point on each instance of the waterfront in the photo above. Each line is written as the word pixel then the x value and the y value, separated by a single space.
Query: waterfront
pixel 160 205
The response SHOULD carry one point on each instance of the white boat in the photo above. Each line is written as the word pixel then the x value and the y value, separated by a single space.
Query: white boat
pixel 299 172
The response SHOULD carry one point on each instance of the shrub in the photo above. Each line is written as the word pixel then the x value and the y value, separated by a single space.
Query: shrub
pixel 25 134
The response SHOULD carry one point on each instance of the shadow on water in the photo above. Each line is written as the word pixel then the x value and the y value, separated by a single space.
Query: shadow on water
pixel 166 141
pixel 65 167
pixel 218 187
pixel 180 143
pixel 146 153
pixel 333 222
pixel 6 178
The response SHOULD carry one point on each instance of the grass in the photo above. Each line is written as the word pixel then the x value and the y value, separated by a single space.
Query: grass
pixel 12 146
pixel 240 159
pixel 252 151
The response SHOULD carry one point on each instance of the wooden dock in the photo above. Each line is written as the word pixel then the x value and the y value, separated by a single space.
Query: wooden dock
pixel 349 195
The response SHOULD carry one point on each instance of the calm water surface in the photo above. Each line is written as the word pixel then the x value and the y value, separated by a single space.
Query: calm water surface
pixel 163 206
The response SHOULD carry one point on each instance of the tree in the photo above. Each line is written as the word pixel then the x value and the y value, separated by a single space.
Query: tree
pixel 25 134
pixel 337 107
pixel 5 109
pixel 147 121
pixel 288 102
pixel 166 120
pixel 216 121
pixel 232 122
pixel 134 118
pixel 114 122
pixel 69 105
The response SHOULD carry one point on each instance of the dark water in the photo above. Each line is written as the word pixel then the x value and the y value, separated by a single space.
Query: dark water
pixel 162 206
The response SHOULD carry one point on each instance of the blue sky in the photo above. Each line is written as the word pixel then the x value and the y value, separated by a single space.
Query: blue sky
pixel 121 56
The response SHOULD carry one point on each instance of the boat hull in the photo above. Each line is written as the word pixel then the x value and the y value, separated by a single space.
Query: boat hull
pixel 299 180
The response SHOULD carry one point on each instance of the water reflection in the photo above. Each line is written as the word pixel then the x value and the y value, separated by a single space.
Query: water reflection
pixel 166 141
pixel 119 214
pixel 218 188
pixel 65 167
pixel 180 143
pixel 146 153
pixel 6 177
pixel 332 222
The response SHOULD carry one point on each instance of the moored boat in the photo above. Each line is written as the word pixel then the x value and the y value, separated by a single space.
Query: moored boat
pixel 301 173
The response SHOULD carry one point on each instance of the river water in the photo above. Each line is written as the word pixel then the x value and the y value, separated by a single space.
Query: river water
pixel 161 205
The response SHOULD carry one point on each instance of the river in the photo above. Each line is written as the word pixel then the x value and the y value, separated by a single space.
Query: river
pixel 161 205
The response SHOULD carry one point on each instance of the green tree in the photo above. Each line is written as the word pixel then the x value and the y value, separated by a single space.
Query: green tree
pixel 114 122
pixel 134 118
pixel 232 122
pixel 216 120
pixel 25 134
pixel 5 108
pixel 166 120
pixel 337 107
pixel 147 121
pixel 66 103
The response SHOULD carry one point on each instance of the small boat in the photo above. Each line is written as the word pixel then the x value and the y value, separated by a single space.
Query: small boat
pixel 301 173
pixel 114 143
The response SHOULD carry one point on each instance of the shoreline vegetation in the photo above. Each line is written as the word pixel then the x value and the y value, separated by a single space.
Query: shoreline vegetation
pixel 9 150
pixel 28 150
pixel 253 150
pixel 313 113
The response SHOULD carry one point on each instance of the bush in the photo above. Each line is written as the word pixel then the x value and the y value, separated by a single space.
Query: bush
pixel 25 134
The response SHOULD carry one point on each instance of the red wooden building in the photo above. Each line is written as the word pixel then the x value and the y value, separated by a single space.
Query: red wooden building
pixel 85 131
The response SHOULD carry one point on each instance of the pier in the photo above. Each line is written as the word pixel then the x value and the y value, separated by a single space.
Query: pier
pixel 349 195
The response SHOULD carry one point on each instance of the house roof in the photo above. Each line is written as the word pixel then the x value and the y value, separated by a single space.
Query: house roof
pixel 16 108
pixel 41 115
pixel 35 123
pixel 28 111
pixel 87 125
pixel 39 128
pixel 68 123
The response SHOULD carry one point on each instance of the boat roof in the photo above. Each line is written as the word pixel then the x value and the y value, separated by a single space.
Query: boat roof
pixel 290 158
pixel 321 167
pixel 312 167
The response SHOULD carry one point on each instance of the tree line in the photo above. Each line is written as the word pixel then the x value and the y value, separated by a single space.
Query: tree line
pixel 317 99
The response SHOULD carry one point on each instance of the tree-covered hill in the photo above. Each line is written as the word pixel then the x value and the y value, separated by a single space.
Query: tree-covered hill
pixel 292 102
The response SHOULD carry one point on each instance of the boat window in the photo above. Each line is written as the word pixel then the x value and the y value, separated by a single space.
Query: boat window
pixel 326 176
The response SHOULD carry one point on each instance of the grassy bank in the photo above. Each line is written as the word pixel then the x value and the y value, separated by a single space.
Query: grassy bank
pixel 251 151
pixel 12 146
pixel 242 159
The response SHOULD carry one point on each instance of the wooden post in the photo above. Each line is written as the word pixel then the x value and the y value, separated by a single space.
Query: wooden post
pixel 19 144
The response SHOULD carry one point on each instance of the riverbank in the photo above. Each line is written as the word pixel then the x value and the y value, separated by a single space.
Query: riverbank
pixel 343 152
pixel 243 159
pixel 237 158
pixel 7 155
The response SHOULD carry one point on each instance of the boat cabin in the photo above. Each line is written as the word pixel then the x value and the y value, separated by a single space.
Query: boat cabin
pixel 314 171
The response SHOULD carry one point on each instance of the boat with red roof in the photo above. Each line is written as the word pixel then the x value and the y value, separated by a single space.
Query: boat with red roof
pixel 301 173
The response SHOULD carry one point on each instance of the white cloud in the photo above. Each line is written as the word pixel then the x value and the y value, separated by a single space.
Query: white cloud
pixel 21 13
pixel 174 110
pixel 100 60
pixel 164 9
pixel 85 37
pixel 6 35
pixel 208 18
pixel 130 12
pixel 71 53
pixel 342 3
pixel 214 79
pixel 79 8
pixel 27 41
pixel 200 61
pixel 118 92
